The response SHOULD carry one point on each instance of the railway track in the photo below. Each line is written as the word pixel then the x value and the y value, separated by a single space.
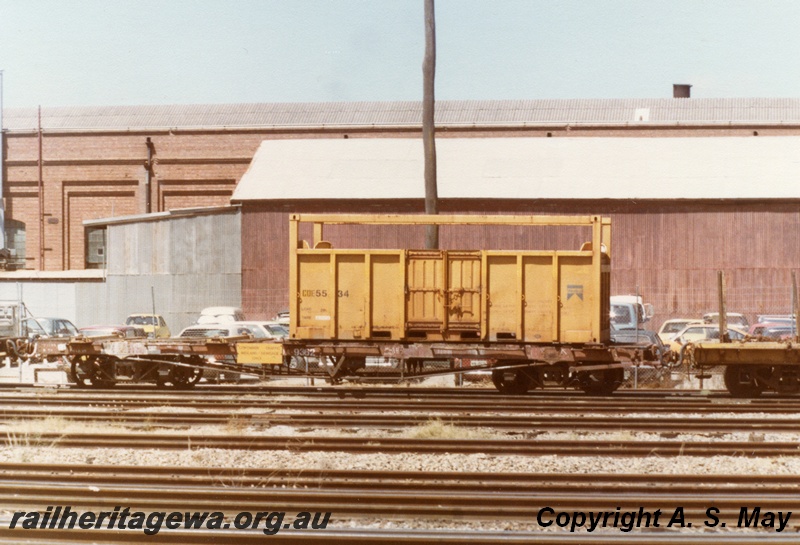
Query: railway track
pixel 360 498
pixel 353 496
pixel 519 447
pixel 358 401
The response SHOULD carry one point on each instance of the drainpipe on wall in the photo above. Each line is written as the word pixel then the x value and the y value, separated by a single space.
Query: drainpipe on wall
pixel 148 175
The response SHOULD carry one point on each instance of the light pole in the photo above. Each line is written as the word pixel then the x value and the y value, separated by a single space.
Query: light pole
pixel 2 169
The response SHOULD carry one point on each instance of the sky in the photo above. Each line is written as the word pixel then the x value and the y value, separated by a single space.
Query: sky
pixel 126 52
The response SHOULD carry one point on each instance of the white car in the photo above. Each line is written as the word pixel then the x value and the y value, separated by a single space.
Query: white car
pixel 220 315
pixel 703 332
pixel 223 330
pixel 735 319
pixel 670 328
pixel 271 329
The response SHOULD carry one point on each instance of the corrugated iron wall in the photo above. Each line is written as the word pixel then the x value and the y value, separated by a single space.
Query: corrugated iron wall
pixel 671 251
pixel 187 263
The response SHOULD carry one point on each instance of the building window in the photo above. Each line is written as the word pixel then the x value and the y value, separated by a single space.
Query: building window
pixel 15 244
pixel 96 248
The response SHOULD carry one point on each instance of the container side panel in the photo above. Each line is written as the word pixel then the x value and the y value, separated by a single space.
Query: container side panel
pixel 388 280
pixel 313 275
pixel 504 296
pixel 540 290
pixel 579 303
pixel 350 296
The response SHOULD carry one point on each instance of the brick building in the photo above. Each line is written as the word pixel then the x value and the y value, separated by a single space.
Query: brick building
pixel 85 163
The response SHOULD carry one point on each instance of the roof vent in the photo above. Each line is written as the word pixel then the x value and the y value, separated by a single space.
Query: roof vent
pixel 681 90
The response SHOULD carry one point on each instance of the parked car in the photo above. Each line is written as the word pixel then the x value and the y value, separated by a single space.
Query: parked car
pixel 657 352
pixel 125 331
pixel 670 328
pixel 703 332
pixel 220 315
pixel 282 317
pixel 629 311
pixel 48 327
pixel 656 370
pixel 153 324
pixel 775 318
pixel 733 318
pixel 271 329
pixel 222 330
pixel 772 330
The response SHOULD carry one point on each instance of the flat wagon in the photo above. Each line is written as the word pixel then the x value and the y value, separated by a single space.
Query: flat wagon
pixel 751 366
pixel 535 317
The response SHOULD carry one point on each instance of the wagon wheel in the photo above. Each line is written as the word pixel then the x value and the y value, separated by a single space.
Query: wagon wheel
pixel 78 374
pixel 183 377
pixel 741 381
pixel 512 382
pixel 92 372
pixel 600 382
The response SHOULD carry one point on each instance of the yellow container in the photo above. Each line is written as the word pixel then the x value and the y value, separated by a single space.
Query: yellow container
pixel 462 296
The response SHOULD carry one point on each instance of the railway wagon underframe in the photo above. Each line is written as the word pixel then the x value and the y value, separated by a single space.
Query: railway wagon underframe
pixel 751 368
pixel 515 368
pixel 179 363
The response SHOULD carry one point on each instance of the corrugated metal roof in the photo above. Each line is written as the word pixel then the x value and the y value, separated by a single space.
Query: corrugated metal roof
pixel 526 168
pixel 768 111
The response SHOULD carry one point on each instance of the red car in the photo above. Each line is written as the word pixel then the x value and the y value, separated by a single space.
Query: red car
pixel 125 331
pixel 772 330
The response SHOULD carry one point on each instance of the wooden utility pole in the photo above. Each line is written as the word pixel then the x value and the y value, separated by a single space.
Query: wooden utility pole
pixel 428 128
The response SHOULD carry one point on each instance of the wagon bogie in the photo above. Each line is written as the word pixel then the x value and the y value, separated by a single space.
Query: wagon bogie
pixel 93 371
pixel 101 370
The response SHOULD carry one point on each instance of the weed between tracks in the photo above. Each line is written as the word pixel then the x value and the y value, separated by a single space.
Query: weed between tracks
pixel 30 433
pixel 436 429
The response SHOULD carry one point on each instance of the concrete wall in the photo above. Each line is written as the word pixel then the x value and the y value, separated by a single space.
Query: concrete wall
pixel 182 264
pixel 76 300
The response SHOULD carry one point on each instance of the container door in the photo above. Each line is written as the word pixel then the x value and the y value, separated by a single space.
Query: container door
pixel 316 302
pixel 350 294
pixel 503 310
pixel 464 292
pixel 425 290
pixel 540 290
pixel 578 308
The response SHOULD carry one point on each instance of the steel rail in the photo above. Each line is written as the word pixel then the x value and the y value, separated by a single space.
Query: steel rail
pixel 521 447
pixel 422 481
pixel 524 423
pixel 479 504
pixel 129 400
